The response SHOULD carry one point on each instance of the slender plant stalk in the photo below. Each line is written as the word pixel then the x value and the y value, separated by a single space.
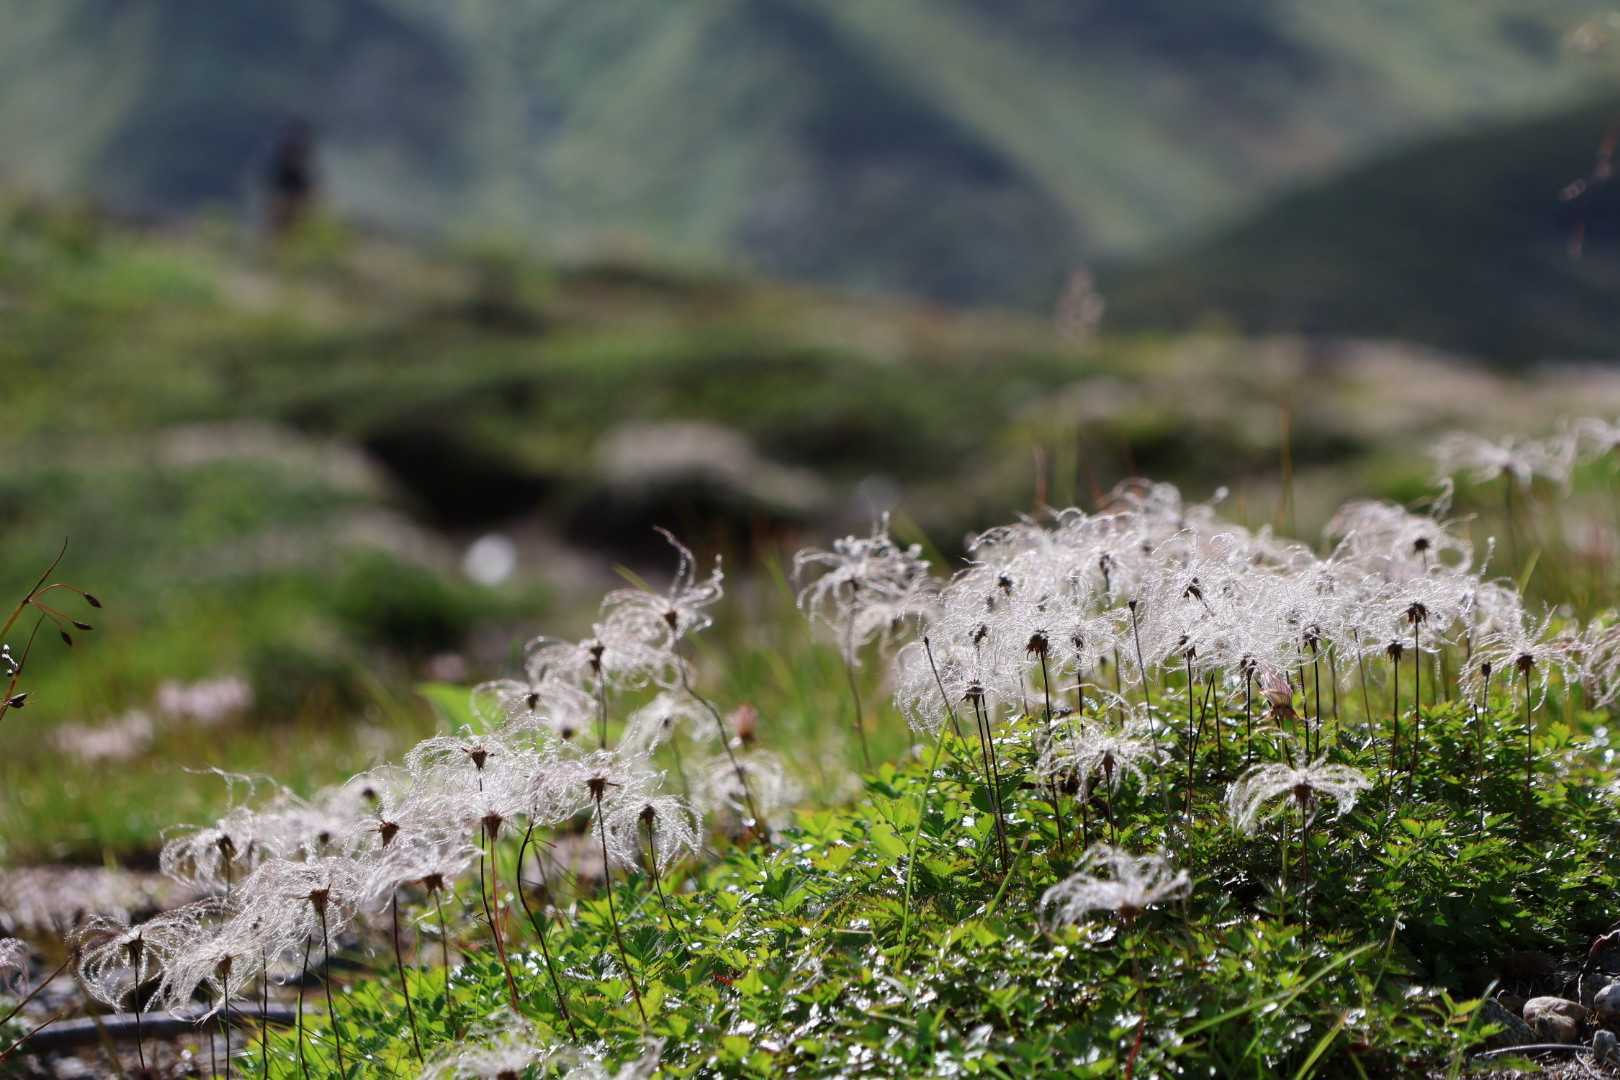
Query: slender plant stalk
pixel 540 932
pixel 264 1013
pixel 725 744
pixel 1395 718
pixel 846 654
pixel 32 994
pixel 225 994
pixel 404 984
pixel 485 834
pixel 1051 785
pixel 326 983
pixel 945 699
pixel 1417 703
pixel 1366 705
pixel 1248 715
pixel 1529 745
pixel 916 836
pixel 601 708
pixel 658 881
pixel 1192 734
pixel 988 735
pixel 1333 683
pixel 303 1070
pixel 613 913
pixel 1141 666
pixel 1316 680
pixel 30 1033
pixel 444 952
pixel 140 1043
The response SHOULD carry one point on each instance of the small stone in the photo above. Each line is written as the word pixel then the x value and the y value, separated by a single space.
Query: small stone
pixel 1555 1019
pixel 1605 1047
pixel 1607 1003
pixel 1515 1032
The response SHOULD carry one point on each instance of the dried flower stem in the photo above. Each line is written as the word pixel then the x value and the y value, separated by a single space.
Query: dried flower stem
pixel 302 1070
pixel 264 1012
pixel 326 984
pixel 725 744
pixel 32 994
pixel 35 1030
pixel 658 880
pixel 404 984
pixel 540 932
pixel 855 693
pixel 1051 787
pixel 613 912
pixel 987 748
pixel 485 834
pixel 916 836
pixel 444 949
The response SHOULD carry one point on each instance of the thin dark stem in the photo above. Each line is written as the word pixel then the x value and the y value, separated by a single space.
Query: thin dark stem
pixel 1057 808
pixel 404 984
pixel 326 983
pixel 855 694
pixel 1395 719
pixel 680 769
pixel 943 696
pixel 444 951
pixel 540 932
pixel 1141 666
pixel 725 744
pixel 304 978
pixel 613 912
pixel 1366 705
pixel 988 746
pixel 1529 745
pixel 1192 735
pixel 35 1030
pixel 140 1047
pixel 1333 682
pixel 494 930
pixel 1417 702
pixel 1119 687
pixel 1248 716
pixel 264 1011
pixel 225 993
pixel 1305 864
pixel 1316 680
pixel 601 708
pixel 658 883
pixel 32 994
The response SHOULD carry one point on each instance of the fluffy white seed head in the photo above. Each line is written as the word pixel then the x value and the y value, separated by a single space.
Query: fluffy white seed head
pixel 1112 879
pixel 1266 790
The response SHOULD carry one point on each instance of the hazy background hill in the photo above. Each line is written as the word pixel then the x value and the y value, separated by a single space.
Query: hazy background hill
pixel 969 150
pixel 1501 243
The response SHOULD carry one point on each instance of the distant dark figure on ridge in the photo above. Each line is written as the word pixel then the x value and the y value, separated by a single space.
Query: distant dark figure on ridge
pixel 291 180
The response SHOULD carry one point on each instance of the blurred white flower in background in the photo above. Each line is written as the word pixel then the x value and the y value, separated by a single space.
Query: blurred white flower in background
pixel 490 559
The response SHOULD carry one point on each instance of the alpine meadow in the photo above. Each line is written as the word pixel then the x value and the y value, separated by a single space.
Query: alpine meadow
pixel 781 538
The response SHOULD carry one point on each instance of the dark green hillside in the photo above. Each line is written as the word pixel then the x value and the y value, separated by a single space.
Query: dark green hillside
pixel 1463 243
pixel 966 150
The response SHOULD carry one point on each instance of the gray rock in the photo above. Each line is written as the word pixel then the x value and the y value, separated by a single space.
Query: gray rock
pixel 1515 1032
pixel 1555 1019
pixel 1605 1047
pixel 1607 1003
